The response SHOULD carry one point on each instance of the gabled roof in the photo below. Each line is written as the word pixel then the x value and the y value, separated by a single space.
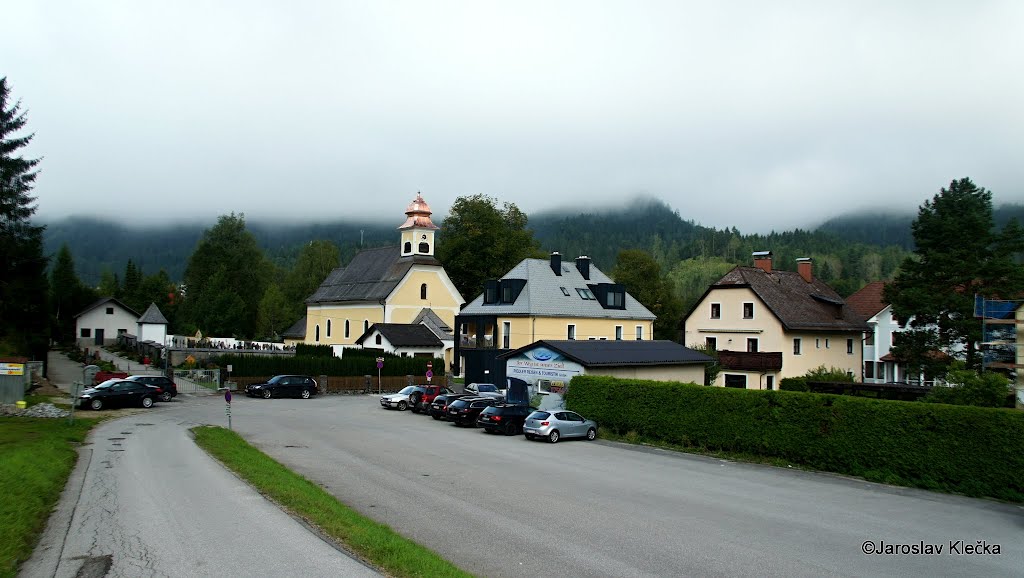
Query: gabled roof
pixel 297 330
pixel 797 304
pixel 437 325
pixel 596 352
pixel 543 295
pixel 153 316
pixel 372 275
pixel 868 301
pixel 104 301
pixel 403 335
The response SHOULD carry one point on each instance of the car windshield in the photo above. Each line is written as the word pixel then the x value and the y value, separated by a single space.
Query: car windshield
pixel 486 387
pixel 458 403
pixel 491 410
pixel 408 389
pixel 539 415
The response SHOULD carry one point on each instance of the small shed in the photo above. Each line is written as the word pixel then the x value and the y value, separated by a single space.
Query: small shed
pixel 103 321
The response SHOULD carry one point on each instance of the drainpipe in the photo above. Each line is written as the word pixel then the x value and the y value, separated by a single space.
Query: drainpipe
pixel 384 310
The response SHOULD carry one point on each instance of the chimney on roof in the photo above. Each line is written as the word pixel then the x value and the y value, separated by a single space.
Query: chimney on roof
pixel 556 263
pixel 763 260
pixel 803 267
pixel 583 264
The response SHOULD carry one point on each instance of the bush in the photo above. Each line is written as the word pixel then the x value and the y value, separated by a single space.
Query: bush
pixel 968 387
pixel 793 384
pixel 305 350
pixel 975 451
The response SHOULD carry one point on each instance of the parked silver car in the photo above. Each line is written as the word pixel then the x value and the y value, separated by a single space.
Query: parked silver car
pixel 557 424
pixel 400 400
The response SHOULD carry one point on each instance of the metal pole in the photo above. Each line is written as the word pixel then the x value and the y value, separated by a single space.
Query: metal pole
pixel 378 381
pixel 74 402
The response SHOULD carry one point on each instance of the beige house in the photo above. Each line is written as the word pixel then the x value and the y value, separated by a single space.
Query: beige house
pixel 768 325
pixel 544 299
pixel 392 285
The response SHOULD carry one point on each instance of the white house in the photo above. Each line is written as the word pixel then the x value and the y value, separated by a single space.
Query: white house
pixel 101 322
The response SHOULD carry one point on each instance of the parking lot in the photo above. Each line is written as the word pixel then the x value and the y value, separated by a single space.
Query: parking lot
pixel 503 506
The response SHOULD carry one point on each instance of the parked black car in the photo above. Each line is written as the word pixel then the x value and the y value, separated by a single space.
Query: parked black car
pixel 465 411
pixel 119 393
pixel 302 386
pixel 170 390
pixel 505 418
pixel 439 407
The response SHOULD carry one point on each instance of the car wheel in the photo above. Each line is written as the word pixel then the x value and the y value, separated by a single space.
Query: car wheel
pixel 402 406
pixel 266 394
pixel 96 404
pixel 529 437
pixel 510 429
pixel 147 402
pixel 305 394
pixel 437 417
pixel 165 396
pixel 591 434
pixel 554 436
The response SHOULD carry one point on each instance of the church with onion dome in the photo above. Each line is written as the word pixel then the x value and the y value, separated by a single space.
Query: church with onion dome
pixel 397 298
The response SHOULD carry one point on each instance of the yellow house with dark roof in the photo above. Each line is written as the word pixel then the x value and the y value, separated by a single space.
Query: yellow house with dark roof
pixel 768 324
pixel 386 285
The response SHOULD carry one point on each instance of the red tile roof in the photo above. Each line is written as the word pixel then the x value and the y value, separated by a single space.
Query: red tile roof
pixel 868 301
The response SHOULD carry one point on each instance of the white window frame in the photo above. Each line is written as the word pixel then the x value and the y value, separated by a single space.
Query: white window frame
pixel 639 332
pixel 744 311
pixel 798 345
pixel 756 342
pixel 618 333
pixel 712 311
pixel 506 337
pixel 571 332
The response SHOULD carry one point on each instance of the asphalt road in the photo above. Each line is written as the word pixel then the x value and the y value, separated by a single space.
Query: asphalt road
pixel 148 502
pixel 500 506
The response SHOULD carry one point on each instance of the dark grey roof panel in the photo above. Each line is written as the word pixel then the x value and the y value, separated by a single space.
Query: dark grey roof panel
pixel 297 330
pixel 404 335
pixel 153 316
pixel 371 275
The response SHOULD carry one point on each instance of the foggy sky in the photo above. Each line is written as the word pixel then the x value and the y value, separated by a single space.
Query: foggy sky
pixel 750 114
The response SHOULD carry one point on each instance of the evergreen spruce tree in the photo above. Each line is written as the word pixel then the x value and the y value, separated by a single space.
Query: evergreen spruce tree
pixel 959 255
pixel 24 318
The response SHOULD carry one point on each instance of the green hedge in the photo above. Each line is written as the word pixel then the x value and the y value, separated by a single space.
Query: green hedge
pixel 350 365
pixel 306 350
pixel 971 450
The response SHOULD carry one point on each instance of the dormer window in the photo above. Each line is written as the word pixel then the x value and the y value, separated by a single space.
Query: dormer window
pixel 615 299
pixel 506 294
pixel 564 291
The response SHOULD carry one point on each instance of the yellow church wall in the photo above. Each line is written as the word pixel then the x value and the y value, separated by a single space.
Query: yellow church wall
pixel 405 302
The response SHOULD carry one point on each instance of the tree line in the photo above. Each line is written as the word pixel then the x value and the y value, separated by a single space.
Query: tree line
pixel 230 285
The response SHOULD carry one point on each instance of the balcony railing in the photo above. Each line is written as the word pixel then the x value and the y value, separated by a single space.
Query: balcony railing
pixel 471 342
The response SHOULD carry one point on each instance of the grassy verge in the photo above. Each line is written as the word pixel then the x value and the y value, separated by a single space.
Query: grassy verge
pixel 36 458
pixel 374 542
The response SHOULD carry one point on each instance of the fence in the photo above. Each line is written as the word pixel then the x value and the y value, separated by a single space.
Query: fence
pixel 348 384
pixel 196 380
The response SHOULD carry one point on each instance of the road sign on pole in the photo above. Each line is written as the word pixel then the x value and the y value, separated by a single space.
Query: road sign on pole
pixel 227 399
pixel 380 365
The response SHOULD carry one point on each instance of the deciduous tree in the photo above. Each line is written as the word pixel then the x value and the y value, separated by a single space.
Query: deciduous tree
pixel 315 262
pixel 641 275
pixel 225 280
pixel 480 241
